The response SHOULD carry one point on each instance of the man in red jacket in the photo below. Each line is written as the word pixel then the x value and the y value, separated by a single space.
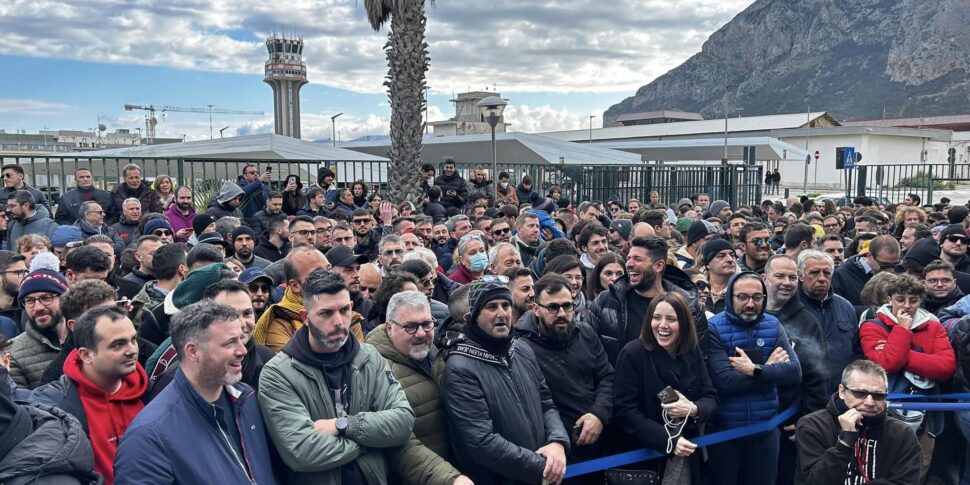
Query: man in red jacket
pixel 103 382
pixel 914 348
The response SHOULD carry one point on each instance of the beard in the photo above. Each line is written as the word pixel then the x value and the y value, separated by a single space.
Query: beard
pixel 244 253
pixel 11 288
pixel 55 319
pixel 552 329
pixel 325 339
pixel 214 373
pixel 183 207
pixel 648 278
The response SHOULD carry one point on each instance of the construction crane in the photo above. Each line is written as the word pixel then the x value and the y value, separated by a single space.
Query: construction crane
pixel 151 121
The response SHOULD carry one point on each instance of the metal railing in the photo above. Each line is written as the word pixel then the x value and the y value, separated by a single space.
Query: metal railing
pixel 737 184
pixel 894 182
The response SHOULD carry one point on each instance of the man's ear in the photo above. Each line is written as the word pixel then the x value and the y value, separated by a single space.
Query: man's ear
pixel 70 324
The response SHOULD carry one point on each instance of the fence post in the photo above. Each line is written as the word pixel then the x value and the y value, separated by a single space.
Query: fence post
pixel 929 191
pixel 181 173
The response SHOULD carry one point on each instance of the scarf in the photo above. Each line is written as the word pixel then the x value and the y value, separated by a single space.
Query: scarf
pixel 289 307
pixel 497 346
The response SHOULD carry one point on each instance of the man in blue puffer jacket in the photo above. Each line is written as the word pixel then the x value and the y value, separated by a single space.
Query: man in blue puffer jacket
pixel 749 356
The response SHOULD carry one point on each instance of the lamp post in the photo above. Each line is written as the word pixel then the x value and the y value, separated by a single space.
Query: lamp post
pixel 222 130
pixel 492 108
pixel 333 124
pixel 591 128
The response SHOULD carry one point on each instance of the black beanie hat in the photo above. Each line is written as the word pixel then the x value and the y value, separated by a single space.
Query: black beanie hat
pixel 243 229
pixel 201 222
pixel 699 229
pixel 924 251
pixel 714 246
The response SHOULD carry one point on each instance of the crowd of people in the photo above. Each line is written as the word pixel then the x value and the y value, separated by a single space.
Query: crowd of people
pixel 493 334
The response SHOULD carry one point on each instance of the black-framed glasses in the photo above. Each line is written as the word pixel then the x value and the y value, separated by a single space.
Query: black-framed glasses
pixel 361 221
pixel 428 282
pixel 862 394
pixel 162 232
pixel 885 264
pixel 743 298
pixel 555 307
pixel 44 300
pixel 368 289
pixel 502 232
pixel 303 232
pixel 957 239
pixel 411 328
pixel 19 272
pixel 702 285
pixel 760 241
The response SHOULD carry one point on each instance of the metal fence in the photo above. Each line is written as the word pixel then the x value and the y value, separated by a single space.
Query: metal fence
pixel 894 182
pixel 737 184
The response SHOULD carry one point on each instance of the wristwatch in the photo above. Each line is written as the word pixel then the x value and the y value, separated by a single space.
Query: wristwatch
pixel 757 370
pixel 341 425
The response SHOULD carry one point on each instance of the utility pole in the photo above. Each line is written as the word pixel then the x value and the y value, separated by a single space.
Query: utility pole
pixel 591 128
pixel 808 157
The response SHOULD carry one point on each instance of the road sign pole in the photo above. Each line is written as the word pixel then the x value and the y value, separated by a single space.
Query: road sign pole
pixel 808 160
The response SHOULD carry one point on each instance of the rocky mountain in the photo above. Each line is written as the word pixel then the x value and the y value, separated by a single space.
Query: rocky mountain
pixel 855 59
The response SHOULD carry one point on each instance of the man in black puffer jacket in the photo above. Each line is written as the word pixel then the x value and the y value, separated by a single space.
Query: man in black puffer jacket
pixel 504 426
pixel 454 189
pixel 619 312
pixel 574 364
pixel 41 444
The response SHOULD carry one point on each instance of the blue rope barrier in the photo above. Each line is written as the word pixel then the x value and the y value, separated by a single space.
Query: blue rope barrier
pixel 644 454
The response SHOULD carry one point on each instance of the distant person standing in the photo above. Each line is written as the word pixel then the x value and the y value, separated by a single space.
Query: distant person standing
pixel 776 180
pixel 454 189
pixel 69 205
pixel 13 180
pixel 132 186
pixel 255 187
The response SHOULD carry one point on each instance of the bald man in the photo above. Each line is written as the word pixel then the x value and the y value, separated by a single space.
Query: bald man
pixel 370 280
pixel 642 229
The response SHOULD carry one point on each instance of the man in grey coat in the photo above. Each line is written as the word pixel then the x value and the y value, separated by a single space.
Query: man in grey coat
pixel 26 219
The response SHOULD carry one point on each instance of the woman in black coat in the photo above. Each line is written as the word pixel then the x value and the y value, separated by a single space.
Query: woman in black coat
pixel 666 354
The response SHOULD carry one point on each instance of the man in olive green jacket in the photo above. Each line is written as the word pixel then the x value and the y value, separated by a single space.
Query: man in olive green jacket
pixel 330 403
pixel 406 340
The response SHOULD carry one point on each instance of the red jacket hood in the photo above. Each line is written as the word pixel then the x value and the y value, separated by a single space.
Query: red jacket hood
pixel 133 386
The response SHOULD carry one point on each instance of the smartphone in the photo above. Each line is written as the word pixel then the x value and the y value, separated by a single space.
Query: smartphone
pixel 577 430
pixel 667 395
pixel 757 355
pixel 269 168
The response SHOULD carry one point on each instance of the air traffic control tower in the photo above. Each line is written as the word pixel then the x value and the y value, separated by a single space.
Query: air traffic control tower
pixel 286 74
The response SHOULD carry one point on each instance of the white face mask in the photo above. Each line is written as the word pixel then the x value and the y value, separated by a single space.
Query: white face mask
pixel 505 185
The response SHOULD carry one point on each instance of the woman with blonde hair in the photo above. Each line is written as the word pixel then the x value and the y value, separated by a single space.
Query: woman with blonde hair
pixel 165 188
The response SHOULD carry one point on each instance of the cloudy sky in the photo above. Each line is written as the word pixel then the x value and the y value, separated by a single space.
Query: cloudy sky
pixel 65 64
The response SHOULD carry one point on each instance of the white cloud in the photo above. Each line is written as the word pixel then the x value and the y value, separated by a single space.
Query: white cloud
pixel 522 46
pixel 547 118
pixel 30 106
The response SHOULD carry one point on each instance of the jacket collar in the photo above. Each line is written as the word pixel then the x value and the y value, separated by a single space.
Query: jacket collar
pixel 238 393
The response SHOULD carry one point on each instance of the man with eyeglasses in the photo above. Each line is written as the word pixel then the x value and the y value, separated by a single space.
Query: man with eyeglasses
pixel 719 260
pixel 324 233
pixel 749 357
pixel 805 333
pixel 573 362
pixel 91 221
pixel 32 351
pixel 332 406
pixel 853 274
pixel 390 253
pixel 853 440
pixel 369 237
pixel 953 247
pixel 260 287
pixel 911 343
pixel 68 206
pixel 406 340
pixel 255 189
pixel 13 181
pixel 503 423
pixel 941 287
pixel 755 247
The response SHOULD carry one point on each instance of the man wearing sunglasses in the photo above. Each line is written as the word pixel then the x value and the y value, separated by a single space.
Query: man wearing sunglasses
pixel 953 247
pixel 851 440
pixel 406 340
pixel 755 247
pixel 853 274
pixel 573 362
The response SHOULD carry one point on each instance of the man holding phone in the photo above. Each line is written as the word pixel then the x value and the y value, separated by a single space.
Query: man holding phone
pixel 749 356
pixel 255 187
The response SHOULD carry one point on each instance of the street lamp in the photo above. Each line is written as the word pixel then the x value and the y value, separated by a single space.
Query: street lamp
pixel 333 123
pixel 222 130
pixel 492 108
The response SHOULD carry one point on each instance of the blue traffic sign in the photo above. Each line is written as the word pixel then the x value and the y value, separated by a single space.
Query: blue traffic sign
pixel 849 158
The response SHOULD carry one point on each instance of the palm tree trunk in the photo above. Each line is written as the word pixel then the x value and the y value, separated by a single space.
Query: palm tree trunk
pixel 407 60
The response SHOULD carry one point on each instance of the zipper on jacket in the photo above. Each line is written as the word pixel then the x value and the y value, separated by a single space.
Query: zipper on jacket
pixel 232 450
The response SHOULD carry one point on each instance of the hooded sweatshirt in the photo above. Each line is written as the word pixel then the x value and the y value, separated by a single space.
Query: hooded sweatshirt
pixel 108 414
pixel 923 351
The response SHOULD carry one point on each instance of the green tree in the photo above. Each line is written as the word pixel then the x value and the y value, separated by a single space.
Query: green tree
pixel 407 61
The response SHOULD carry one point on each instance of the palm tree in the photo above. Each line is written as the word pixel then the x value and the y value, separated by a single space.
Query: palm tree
pixel 407 61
